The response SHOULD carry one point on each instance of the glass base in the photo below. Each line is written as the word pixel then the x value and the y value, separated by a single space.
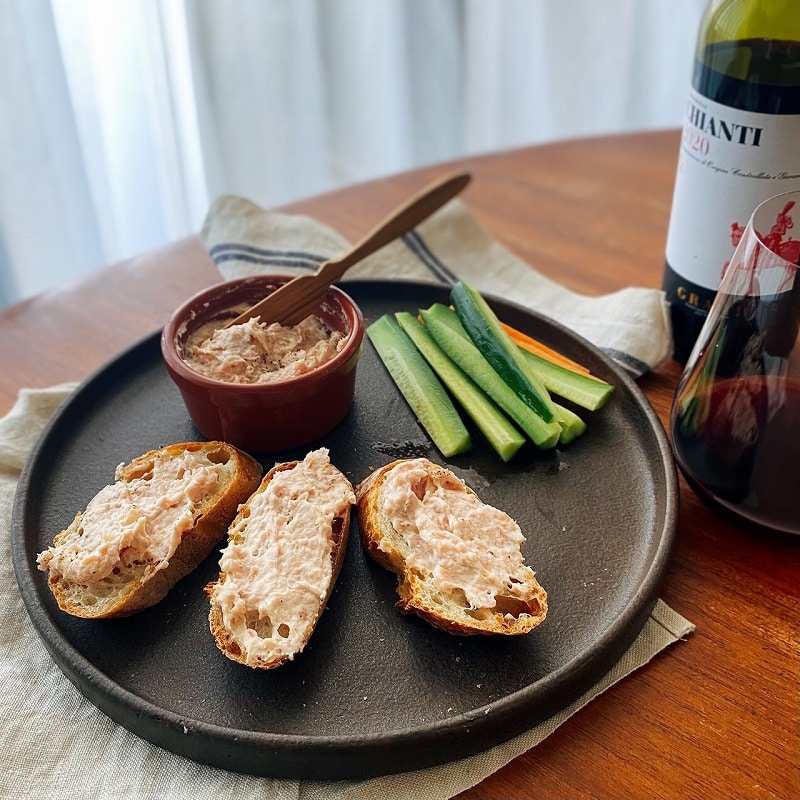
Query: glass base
pixel 738 512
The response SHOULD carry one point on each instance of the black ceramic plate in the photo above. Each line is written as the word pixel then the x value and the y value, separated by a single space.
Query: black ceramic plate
pixel 375 691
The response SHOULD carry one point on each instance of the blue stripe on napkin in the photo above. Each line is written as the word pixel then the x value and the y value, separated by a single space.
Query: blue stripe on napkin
pixel 232 251
pixel 416 244
pixel 631 365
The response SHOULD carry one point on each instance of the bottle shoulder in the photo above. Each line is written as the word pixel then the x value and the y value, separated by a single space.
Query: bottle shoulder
pixel 757 75
pixel 740 20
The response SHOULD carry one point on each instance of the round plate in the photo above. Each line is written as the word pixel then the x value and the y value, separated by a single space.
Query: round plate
pixel 375 691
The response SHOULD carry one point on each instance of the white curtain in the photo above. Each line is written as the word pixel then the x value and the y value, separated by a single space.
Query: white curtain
pixel 120 120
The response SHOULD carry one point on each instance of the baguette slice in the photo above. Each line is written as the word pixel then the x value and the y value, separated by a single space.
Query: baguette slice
pixel 284 553
pixel 163 515
pixel 457 559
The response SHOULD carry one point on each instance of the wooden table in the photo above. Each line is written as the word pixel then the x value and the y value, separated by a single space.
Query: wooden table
pixel 715 717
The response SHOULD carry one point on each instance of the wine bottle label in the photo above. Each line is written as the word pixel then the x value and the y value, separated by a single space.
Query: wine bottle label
pixel 729 162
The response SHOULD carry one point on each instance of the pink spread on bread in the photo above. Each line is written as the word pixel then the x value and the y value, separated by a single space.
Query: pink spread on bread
pixel 277 565
pixel 446 528
pixel 136 521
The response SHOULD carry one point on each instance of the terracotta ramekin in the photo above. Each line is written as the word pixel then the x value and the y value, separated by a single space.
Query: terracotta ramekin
pixel 264 417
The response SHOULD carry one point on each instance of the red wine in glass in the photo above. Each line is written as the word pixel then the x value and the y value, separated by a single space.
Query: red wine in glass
pixel 735 422
pixel 746 455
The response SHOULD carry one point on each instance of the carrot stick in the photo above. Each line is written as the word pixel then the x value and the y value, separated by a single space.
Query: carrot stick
pixel 543 351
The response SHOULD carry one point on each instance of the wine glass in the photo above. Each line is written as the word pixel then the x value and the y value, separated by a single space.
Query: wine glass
pixel 735 420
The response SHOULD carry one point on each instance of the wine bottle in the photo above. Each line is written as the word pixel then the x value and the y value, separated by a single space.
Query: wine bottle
pixel 740 146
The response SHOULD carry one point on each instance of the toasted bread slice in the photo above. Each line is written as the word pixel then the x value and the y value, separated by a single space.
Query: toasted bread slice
pixel 284 553
pixel 137 537
pixel 457 560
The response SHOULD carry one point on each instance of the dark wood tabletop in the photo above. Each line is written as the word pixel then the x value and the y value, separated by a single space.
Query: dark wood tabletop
pixel 715 717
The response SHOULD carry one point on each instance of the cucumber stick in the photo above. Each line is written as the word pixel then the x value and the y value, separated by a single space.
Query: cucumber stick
pixel 572 426
pixel 485 330
pixel 439 314
pixel 421 388
pixel 444 328
pixel 504 438
pixel 584 391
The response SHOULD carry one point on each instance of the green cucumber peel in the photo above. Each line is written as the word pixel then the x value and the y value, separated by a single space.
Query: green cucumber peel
pixel 503 437
pixel 582 390
pixel 446 330
pixel 486 332
pixel 445 315
pixel 419 386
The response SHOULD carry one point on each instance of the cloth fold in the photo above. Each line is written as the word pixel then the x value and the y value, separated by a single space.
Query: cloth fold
pixel 631 325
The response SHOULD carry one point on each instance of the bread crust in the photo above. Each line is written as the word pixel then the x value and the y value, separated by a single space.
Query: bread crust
pixel 339 534
pixel 418 593
pixel 138 590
